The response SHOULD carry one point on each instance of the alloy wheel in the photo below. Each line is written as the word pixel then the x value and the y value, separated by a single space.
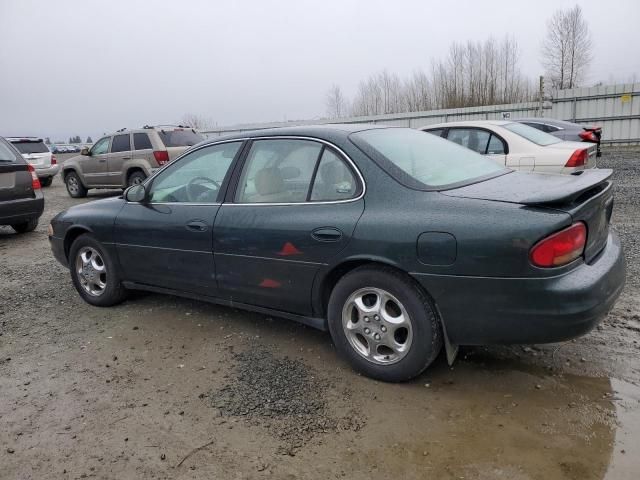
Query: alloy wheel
pixel 92 271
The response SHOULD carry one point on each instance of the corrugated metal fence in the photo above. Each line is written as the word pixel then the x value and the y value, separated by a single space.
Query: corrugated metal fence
pixel 616 108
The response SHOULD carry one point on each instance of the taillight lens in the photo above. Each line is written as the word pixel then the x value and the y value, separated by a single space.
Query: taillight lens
pixel 560 248
pixel 161 156
pixel 588 137
pixel 35 182
pixel 577 158
pixel 54 161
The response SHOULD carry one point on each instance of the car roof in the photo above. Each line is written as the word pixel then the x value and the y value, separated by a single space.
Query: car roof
pixel 23 139
pixel 320 131
pixel 468 123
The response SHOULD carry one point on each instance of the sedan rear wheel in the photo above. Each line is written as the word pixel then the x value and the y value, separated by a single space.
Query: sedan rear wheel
pixel 94 274
pixel 384 324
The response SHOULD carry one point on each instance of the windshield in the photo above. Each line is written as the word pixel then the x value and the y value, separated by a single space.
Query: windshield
pixel 180 138
pixel 532 134
pixel 30 146
pixel 424 161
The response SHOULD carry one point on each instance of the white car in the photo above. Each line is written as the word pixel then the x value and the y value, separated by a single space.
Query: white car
pixel 518 146
pixel 36 152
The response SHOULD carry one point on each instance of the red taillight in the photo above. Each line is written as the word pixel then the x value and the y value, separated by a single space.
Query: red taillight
pixel 577 158
pixel 588 136
pixel 561 247
pixel 161 156
pixel 54 161
pixel 35 182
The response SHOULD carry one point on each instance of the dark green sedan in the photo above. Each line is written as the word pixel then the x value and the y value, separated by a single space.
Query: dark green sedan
pixel 396 241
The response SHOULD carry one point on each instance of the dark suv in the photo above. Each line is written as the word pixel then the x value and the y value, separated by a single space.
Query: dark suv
pixel 126 157
pixel 21 199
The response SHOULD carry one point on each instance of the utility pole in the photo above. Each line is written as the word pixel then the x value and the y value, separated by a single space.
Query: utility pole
pixel 541 95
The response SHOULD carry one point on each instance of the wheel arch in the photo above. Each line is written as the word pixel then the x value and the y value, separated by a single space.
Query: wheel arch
pixel 67 170
pixel 70 236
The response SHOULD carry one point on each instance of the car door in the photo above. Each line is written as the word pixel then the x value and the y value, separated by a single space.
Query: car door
pixel 166 240
pixel 94 166
pixel 120 152
pixel 294 207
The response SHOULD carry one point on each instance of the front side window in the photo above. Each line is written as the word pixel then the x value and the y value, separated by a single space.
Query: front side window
pixel 531 134
pixel 196 177
pixel 424 162
pixel 278 171
pixel 334 179
pixel 101 146
pixel 121 143
pixel 141 141
pixel 472 138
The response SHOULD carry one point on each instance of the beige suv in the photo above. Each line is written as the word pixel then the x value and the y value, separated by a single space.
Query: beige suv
pixel 126 157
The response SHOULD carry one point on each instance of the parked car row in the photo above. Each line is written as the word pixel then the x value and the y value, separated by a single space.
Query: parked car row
pixel 64 148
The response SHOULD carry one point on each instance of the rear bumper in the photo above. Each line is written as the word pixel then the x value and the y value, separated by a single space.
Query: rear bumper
pixel 46 172
pixel 479 311
pixel 22 210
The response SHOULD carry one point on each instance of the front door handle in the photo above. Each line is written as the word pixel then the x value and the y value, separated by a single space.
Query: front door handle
pixel 326 234
pixel 196 226
pixel 126 158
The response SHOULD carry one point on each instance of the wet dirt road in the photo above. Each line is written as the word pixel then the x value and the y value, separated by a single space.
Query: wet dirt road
pixel 161 387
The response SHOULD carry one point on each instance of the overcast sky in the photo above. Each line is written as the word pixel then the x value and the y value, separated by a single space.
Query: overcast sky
pixel 89 67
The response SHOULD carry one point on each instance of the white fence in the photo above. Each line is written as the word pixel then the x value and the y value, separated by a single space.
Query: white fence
pixel 616 108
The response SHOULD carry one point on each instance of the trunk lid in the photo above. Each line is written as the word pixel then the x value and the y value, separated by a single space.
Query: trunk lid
pixel 587 197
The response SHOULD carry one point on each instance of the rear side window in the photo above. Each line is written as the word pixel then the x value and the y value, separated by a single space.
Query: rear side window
pixel 7 154
pixel 121 143
pixel 334 179
pixel 179 138
pixel 30 146
pixel 278 171
pixel 424 162
pixel 141 141
pixel 472 138
pixel 496 146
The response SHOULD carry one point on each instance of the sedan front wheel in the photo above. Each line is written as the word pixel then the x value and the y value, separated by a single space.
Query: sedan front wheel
pixel 384 324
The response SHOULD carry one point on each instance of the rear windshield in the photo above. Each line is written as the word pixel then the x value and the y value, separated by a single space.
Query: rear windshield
pixel 424 161
pixel 30 146
pixel 179 138
pixel 532 134
pixel 6 152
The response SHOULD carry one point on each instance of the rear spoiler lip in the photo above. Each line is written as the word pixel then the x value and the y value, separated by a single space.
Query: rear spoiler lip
pixel 586 180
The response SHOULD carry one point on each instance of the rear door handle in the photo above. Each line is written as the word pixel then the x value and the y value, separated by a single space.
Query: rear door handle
pixel 196 226
pixel 126 158
pixel 326 234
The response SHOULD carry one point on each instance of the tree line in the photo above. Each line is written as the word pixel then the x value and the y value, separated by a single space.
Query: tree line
pixel 473 74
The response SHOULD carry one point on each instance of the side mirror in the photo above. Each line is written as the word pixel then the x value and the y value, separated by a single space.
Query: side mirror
pixel 84 151
pixel 135 193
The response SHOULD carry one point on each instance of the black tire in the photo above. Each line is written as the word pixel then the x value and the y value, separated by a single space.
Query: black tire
pixel 136 177
pixel 75 188
pixel 46 182
pixel 25 227
pixel 426 331
pixel 113 293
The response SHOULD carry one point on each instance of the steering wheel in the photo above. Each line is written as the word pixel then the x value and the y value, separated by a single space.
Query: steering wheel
pixel 195 187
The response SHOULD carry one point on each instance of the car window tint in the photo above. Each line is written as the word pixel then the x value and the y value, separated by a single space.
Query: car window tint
pixel 179 137
pixel 334 179
pixel 278 171
pixel 101 146
pixel 6 152
pixel 141 141
pixel 496 147
pixel 424 161
pixel 437 132
pixel 551 128
pixel 30 146
pixel 472 138
pixel 196 177
pixel 537 126
pixel 121 143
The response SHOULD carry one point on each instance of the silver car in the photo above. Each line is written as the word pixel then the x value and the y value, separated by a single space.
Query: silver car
pixel 36 152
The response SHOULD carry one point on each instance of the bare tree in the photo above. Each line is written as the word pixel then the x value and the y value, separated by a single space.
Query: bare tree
pixel 566 50
pixel 335 102
pixel 197 121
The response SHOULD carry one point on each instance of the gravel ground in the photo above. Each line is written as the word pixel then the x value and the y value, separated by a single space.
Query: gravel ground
pixel 162 387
